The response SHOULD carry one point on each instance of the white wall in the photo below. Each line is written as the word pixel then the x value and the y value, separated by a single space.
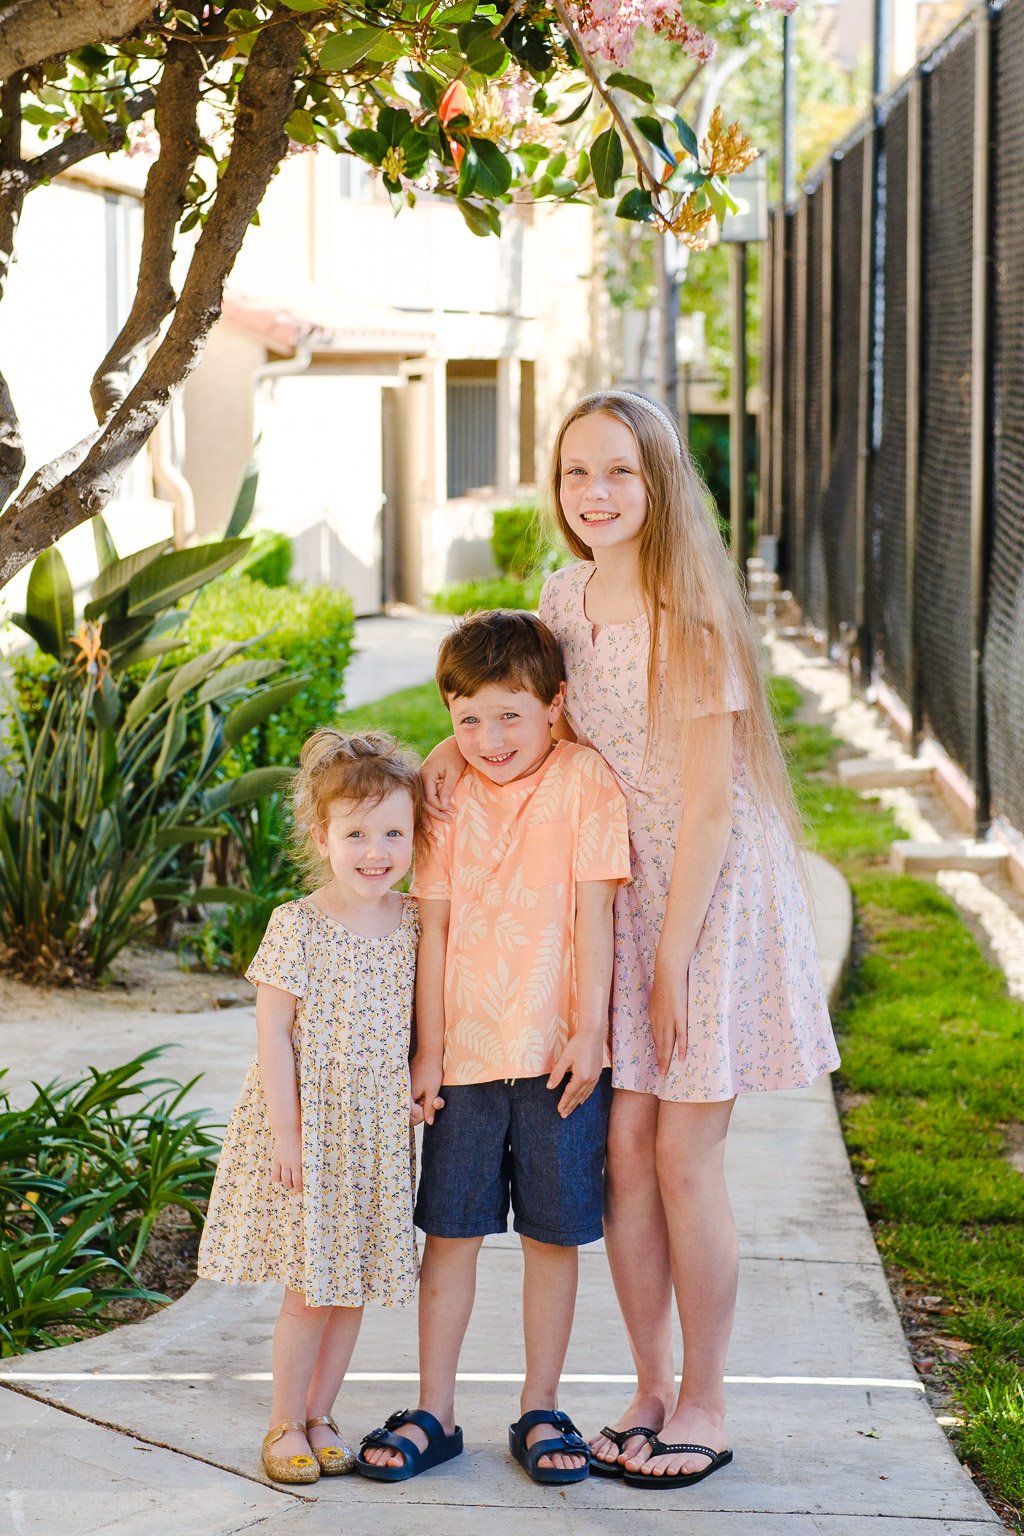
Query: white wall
pixel 76 260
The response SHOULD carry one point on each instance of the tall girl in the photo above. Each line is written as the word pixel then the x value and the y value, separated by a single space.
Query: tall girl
pixel 314 1183
pixel 717 989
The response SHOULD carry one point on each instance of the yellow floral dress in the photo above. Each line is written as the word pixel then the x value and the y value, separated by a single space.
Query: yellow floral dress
pixel 347 1238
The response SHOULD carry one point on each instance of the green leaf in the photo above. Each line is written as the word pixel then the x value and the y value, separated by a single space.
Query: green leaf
pixel 244 501
pixel 343 49
pixel 479 221
pixel 231 679
pixel 171 890
pixel 49 602
pixel 246 716
pixel 106 704
pixel 494 174
pixel 305 5
pixel 174 739
pixel 684 180
pixel 393 124
pixel 172 576
pixel 368 144
pixel 106 554
pixel 224 896
pixel 180 837
pixel 387 48
pixel 300 127
pixel 197 671
pixel 114 578
pixel 148 699
pixel 654 132
pixel 467 174
pixel 576 113
pixel 640 88
pixel 636 206
pixel 149 650
pixel 238 19
pixel 687 137
pixel 606 162
pixel 427 88
pixel 248 787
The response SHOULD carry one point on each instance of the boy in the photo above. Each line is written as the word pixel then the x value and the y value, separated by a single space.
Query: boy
pixel 512 989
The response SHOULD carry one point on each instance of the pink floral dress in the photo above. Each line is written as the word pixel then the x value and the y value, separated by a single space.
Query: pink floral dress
pixel 757 1015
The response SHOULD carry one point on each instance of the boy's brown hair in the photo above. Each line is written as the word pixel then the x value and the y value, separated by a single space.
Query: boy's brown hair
pixel 340 765
pixel 504 648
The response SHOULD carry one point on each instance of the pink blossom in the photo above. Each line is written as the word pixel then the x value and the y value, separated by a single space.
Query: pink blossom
pixel 608 28
pixel 787 7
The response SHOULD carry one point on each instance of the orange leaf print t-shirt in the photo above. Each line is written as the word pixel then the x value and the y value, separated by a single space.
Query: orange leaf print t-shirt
pixel 508 863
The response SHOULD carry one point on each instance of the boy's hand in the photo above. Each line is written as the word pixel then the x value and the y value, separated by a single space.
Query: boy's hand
pixel 583 1058
pixel 286 1161
pixel 425 1084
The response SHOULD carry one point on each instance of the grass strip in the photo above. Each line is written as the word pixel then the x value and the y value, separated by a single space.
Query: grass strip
pixel 932 1080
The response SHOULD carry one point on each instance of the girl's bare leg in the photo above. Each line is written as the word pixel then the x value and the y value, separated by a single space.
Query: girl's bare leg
pixel 447 1292
pixel 705 1265
pixel 297 1338
pixel 636 1238
pixel 332 1361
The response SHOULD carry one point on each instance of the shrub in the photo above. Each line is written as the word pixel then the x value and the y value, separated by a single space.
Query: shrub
pixel 84 1178
pixel 518 541
pixel 493 592
pixel 270 559
pixel 117 788
pixel 311 628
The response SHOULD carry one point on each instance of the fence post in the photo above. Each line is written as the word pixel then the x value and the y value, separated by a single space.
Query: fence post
pixel 826 326
pixel 864 647
pixel 800 426
pixel 913 427
pixel 980 404
pixel 778 355
pixel 766 266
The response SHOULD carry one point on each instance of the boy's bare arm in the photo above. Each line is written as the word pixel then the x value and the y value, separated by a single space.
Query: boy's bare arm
pixel 427 1063
pixel 583 1056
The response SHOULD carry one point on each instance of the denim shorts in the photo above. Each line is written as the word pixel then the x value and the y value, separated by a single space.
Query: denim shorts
pixel 502 1143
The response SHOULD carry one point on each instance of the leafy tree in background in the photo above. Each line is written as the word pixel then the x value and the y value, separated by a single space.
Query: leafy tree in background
pixel 479 102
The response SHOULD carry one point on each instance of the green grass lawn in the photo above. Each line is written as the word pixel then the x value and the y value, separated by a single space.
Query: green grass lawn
pixel 932 1076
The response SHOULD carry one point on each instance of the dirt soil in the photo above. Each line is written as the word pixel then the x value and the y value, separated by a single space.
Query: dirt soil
pixel 144 979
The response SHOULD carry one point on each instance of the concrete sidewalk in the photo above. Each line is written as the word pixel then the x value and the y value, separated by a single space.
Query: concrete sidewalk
pixel 154 1430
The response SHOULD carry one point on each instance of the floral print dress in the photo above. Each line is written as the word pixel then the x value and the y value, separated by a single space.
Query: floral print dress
pixel 757 1012
pixel 347 1237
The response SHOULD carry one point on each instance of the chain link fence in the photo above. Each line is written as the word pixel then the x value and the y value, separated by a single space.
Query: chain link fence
pixel 900 502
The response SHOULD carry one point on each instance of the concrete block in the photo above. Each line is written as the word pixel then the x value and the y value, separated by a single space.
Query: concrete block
pixel 879 773
pixel 910 858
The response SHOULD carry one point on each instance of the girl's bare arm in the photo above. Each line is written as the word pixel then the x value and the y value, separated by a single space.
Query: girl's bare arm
pixel 275 1019
pixel 442 769
pixel 704 832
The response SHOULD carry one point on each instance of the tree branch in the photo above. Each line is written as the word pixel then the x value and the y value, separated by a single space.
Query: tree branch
pixel 34 30
pixel 177 100
pixel 13 187
pixel 606 96
pixel 79 146
pixel 265 102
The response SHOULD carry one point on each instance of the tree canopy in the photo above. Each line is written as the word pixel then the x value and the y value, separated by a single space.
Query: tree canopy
pixel 482 103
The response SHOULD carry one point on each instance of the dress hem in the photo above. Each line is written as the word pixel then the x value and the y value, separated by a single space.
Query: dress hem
pixel 740 1090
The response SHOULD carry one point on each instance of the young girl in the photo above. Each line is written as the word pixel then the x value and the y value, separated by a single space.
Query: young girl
pixel 717 989
pixel 314 1183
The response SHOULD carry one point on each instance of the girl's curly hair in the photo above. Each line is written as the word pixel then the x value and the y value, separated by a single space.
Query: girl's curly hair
pixel 340 765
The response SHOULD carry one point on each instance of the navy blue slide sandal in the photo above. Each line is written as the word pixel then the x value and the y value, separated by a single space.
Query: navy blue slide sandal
pixel 678 1479
pixel 568 1441
pixel 441 1448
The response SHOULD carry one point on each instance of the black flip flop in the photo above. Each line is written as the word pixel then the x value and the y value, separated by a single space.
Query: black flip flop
pixel 618 1437
pixel 567 1442
pixel 441 1447
pixel 678 1479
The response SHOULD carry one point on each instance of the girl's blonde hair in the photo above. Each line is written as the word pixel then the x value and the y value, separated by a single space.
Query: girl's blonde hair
pixel 339 765
pixel 700 627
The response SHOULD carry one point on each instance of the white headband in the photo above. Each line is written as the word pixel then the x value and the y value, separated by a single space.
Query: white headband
pixel 651 405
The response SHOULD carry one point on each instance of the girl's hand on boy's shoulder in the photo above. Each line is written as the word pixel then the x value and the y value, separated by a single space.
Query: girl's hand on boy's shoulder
pixel 286 1161
pixel 442 769
pixel 583 1060
pixel 668 1017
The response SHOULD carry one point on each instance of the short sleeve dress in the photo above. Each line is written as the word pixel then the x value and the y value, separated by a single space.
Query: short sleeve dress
pixel 757 1012
pixel 347 1238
